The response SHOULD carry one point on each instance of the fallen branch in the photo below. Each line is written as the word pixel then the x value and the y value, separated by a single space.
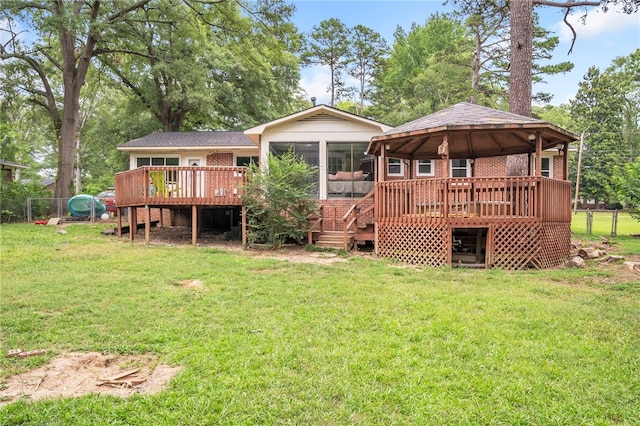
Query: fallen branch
pixel 19 353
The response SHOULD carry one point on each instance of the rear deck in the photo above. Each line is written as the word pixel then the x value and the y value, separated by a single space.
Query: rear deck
pixel 504 222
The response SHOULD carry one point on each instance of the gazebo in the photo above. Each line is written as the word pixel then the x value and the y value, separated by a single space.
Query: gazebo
pixel 510 222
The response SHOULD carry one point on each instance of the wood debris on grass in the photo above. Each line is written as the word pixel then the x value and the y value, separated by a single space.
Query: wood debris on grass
pixel 19 353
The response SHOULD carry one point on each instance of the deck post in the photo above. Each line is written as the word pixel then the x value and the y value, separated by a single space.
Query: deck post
pixel 119 221
pixel 161 221
pixel 565 161
pixel 244 227
pixel 133 223
pixel 194 224
pixel 147 224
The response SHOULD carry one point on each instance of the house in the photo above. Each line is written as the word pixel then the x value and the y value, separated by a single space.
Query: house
pixel 11 170
pixel 434 191
pixel 202 172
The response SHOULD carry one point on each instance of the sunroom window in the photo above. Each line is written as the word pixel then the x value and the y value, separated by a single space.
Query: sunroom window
pixel 349 169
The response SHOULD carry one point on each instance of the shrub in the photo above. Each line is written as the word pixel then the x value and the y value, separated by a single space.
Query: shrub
pixel 13 201
pixel 279 200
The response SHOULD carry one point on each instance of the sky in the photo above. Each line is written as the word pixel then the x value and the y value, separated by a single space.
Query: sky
pixel 604 37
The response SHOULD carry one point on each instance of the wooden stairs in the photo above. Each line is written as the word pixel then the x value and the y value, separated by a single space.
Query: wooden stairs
pixel 334 240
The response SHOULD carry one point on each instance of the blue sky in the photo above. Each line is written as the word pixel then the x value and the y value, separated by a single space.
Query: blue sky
pixel 604 37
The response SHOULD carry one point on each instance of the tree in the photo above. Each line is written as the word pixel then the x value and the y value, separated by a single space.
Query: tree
pixel 596 110
pixel 218 68
pixel 279 200
pixel 427 70
pixel 328 44
pixel 627 181
pixel 368 49
pixel 489 24
pixel 68 33
pixel 625 72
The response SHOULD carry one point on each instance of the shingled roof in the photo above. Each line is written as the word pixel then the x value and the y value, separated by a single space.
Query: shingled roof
pixel 203 139
pixel 471 131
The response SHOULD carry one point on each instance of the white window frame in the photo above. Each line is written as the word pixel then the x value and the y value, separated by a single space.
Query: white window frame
pixel 400 162
pixel 431 166
pixel 549 169
pixel 467 168
pixel 151 157
pixel 236 155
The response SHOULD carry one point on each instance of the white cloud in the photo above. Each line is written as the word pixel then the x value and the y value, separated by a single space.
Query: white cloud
pixel 597 23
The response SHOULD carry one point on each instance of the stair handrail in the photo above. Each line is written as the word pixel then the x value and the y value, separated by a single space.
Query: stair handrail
pixel 315 223
pixel 353 211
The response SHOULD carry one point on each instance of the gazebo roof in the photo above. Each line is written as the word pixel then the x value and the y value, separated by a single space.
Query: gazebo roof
pixel 471 131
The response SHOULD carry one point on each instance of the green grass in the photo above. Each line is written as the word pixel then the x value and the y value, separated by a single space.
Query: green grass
pixel 601 227
pixel 359 342
pixel 602 223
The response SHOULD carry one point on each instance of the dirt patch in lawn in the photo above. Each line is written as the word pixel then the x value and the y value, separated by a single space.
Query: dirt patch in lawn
pixel 179 235
pixel 79 373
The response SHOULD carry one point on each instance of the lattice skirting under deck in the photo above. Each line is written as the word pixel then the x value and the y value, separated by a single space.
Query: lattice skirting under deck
pixel 515 246
pixel 555 245
pixel 415 244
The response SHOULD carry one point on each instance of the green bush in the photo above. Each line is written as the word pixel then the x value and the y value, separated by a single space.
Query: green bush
pixel 13 201
pixel 627 180
pixel 279 200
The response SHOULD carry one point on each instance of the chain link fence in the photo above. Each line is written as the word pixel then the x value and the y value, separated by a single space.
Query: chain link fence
pixel 45 208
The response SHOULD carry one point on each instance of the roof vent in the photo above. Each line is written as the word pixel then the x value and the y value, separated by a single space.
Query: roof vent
pixel 313 101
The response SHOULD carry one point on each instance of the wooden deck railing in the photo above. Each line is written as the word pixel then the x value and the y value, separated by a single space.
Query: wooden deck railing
pixel 355 213
pixel 488 198
pixel 180 186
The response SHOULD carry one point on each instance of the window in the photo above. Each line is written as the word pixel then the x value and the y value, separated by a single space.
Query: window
pixel 460 168
pixel 547 166
pixel 425 168
pixel 246 160
pixel 349 169
pixel 171 176
pixel 395 167
pixel 547 169
pixel 308 151
pixel 157 161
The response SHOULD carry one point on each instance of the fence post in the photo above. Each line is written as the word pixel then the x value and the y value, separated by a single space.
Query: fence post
pixel 589 221
pixel 614 224
pixel 28 210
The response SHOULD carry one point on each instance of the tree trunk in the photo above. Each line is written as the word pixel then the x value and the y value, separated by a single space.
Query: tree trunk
pixel 475 76
pixel 520 73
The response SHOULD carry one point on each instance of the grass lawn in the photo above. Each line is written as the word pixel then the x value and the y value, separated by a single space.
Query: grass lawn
pixel 365 341
pixel 601 227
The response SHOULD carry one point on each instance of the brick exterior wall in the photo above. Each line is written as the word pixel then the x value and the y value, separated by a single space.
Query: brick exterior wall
pixel 220 159
pixel 334 209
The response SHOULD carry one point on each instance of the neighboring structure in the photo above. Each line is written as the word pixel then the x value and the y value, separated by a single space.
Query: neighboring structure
pixel 432 191
pixel 11 170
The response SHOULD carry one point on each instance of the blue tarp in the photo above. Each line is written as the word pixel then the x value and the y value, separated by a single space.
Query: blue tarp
pixel 81 205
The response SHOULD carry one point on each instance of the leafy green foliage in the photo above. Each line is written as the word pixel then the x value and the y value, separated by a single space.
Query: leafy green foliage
pixel 627 183
pixel 328 44
pixel 427 70
pixel 604 109
pixel 279 200
pixel 13 201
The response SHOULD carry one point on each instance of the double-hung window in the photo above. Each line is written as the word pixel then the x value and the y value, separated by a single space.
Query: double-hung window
pixel 395 167
pixel 425 168
pixel 460 168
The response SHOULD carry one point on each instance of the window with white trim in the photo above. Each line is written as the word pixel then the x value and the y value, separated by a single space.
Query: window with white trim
pixel 395 167
pixel 460 168
pixel 157 161
pixel 245 160
pixel 547 167
pixel 425 168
